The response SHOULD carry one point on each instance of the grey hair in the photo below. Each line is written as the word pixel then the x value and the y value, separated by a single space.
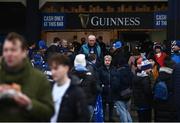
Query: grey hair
pixel 108 57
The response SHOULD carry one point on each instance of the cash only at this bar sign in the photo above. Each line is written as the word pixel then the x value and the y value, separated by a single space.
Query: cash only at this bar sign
pixel 61 21
pixel 53 21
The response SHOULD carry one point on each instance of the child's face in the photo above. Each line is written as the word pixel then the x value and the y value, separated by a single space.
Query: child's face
pixel 107 61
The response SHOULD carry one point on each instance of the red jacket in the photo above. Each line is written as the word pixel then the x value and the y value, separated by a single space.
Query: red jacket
pixel 160 60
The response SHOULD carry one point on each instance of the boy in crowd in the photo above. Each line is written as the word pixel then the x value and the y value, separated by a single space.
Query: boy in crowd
pixel 107 76
pixel 69 99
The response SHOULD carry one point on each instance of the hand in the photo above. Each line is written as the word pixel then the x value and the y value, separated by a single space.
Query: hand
pixel 4 87
pixel 23 100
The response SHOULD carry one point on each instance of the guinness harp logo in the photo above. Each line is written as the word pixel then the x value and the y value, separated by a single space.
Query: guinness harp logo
pixel 84 20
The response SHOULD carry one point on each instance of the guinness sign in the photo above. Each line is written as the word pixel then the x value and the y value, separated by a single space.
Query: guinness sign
pixel 59 21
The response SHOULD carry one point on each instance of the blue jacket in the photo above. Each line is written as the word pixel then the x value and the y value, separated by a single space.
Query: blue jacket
pixel 176 57
pixel 176 79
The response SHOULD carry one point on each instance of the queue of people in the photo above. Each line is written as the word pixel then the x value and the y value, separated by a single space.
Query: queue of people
pixel 77 74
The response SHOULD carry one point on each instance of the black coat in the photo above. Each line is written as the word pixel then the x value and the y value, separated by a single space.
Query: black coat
pixel 119 58
pixel 142 91
pixel 176 79
pixel 89 84
pixel 107 77
pixel 91 88
pixel 125 78
pixel 165 111
pixel 73 107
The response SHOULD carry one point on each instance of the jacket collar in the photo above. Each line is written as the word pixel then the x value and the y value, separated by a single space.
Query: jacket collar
pixel 166 70
pixel 18 76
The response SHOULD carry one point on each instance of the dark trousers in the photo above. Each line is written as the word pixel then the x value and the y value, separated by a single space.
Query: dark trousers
pixel 144 115
pixel 108 111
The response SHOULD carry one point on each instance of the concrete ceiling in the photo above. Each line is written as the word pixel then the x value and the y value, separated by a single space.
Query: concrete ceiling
pixel 42 2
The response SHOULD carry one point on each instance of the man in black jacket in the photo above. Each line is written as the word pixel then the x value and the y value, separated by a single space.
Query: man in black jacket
pixel 69 99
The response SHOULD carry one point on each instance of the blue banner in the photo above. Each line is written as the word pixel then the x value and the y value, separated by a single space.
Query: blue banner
pixel 98 110
pixel 53 21
pixel 160 20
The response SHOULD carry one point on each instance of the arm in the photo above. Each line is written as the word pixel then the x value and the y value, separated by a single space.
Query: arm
pixel 42 106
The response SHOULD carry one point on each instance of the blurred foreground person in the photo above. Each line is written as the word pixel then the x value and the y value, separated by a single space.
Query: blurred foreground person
pixel 176 80
pixel 176 49
pixel 107 77
pixel 164 101
pixel 142 91
pixel 69 99
pixel 25 93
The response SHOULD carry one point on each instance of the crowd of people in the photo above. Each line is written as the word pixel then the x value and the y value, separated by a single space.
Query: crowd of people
pixel 65 81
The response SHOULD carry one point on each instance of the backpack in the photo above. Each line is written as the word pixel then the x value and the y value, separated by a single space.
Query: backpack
pixel 161 91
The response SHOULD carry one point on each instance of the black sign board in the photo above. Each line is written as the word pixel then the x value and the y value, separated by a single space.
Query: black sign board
pixel 148 20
